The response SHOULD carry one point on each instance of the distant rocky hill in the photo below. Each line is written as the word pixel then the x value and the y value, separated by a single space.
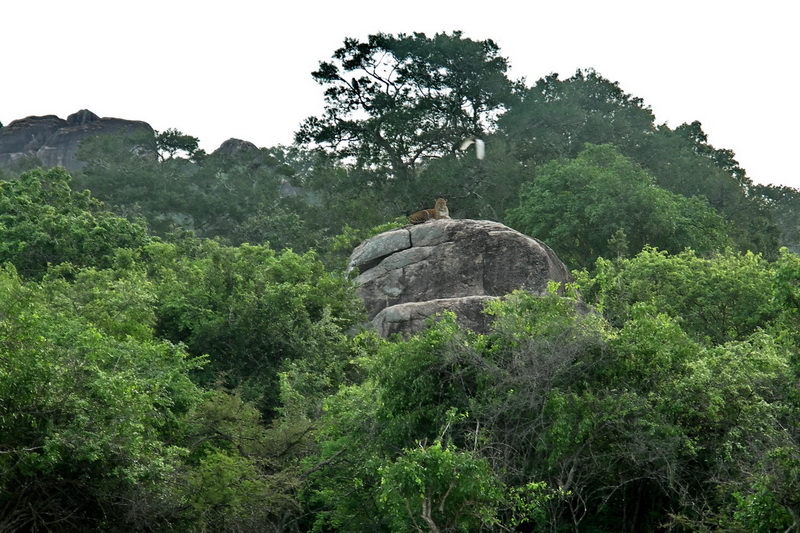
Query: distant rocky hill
pixel 54 140
pixel 409 274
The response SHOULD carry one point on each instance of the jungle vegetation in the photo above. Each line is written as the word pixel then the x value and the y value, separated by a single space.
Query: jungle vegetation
pixel 181 350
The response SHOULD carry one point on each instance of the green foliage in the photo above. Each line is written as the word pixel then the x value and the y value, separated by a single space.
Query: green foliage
pixel 124 172
pixel 685 163
pixel 601 416
pixel 241 474
pixel 341 492
pixel 394 129
pixel 119 302
pixel 716 299
pixel 412 393
pixel 726 400
pixel 238 197
pixel 102 422
pixel 580 205
pixel 210 385
pixel 250 309
pixel 556 118
pixel 394 101
pixel 172 142
pixel 784 203
pixel 235 196
pixel 477 189
pixel 787 286
pixel 87 416
pixel 757 511
pixel 42 223
pixel 387 146
pixel 24 164
pixel 529 504
pixel 439 488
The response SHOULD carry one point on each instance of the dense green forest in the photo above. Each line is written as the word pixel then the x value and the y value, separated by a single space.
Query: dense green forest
pixel 181 349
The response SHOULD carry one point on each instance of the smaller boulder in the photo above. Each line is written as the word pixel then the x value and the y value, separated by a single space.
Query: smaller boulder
pixel 234 147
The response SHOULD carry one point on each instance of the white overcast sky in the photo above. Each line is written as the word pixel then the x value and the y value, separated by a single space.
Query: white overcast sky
pixel 236 68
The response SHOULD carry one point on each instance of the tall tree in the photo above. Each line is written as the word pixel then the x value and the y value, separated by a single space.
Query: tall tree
pixel 602 204
pixel 556 117
pixel 393 102
pixel 172 142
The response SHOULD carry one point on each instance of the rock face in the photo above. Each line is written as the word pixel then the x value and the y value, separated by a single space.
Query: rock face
pixel 54 140
pixel 411 273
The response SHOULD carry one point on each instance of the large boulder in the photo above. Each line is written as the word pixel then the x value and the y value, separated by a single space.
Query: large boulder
pixel 54 141
pixel 409 274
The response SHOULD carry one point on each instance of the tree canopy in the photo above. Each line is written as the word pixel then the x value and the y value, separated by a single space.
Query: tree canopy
pixel 43 222
pixel 601 204
pixel 394 102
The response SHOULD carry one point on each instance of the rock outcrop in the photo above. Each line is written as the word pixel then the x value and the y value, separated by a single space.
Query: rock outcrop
pixel 234 147
pixel 409 274
pixel 54 141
